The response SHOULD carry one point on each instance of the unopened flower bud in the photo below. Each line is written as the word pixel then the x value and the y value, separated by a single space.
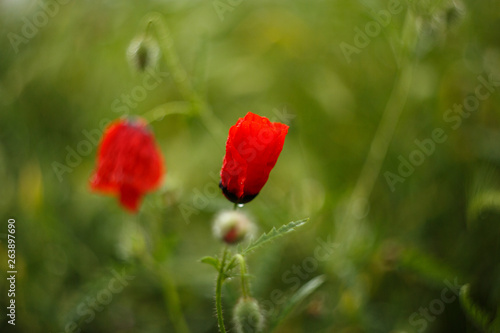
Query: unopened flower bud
pixel 143 52
pixel 232 227
pixel 247 316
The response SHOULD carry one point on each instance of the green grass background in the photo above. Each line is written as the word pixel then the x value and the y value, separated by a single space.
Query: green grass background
pixel 268 57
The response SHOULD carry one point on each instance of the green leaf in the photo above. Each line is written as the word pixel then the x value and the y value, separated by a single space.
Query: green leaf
pixel 274 233
pixel 477 315
pixel 301 294
pixel 211 261
pixel 488 200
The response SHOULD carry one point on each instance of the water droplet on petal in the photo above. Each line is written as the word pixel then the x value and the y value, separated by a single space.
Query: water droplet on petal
pixel 241 205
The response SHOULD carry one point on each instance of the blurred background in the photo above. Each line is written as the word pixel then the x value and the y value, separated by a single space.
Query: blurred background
pixel 393 153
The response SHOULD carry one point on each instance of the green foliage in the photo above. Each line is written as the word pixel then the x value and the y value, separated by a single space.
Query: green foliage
pixel 427 267
pixel 247 316
pixel 214 262
pixel 352 119
pixel 487 200
pixel 485 194
pixel 272 234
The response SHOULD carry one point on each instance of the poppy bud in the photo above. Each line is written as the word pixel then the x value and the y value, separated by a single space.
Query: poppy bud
pixel 143 52
pixel 232 226
pixel 247 316
pixel 252 149
pixel 129 163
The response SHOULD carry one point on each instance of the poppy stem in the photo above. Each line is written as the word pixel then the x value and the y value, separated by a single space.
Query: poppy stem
pixel 218 292
pixel 148 28
pixel 245 287
pixel 235 207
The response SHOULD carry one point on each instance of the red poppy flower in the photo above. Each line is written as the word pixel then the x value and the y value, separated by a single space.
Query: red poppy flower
pixel 252 149
pixel 129 163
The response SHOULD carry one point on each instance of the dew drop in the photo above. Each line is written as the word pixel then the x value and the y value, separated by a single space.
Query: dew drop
pixel 240 205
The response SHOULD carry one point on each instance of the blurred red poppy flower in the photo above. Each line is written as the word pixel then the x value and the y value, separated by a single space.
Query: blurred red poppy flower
pixel 129 163
pixel 252 149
